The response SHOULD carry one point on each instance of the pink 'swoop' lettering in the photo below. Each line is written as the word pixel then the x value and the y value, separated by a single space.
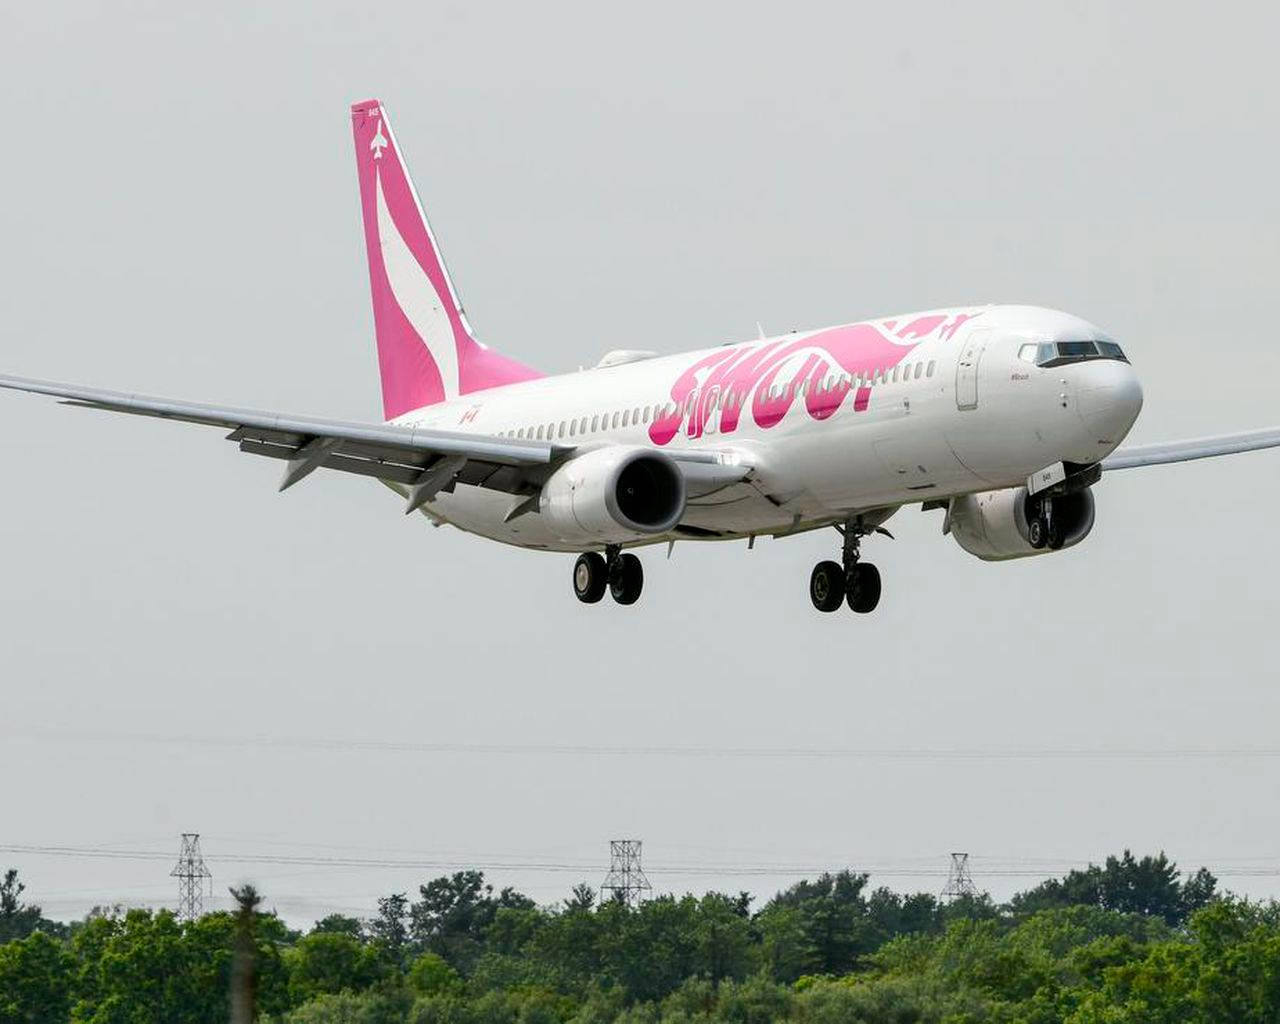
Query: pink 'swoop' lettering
pixel 727 378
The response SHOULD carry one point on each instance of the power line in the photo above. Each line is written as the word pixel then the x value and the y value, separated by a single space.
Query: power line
pixel 900 869
pixel 691 751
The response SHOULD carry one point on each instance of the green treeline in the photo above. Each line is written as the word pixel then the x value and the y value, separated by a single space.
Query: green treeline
pixel 1131 941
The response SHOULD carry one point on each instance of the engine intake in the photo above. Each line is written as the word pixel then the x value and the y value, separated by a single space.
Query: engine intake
pixel 612 495
pixel 994 526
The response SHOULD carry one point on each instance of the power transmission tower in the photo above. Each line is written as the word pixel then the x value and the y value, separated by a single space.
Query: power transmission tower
pixel 626 880
pixel 959 881
pixel 190 871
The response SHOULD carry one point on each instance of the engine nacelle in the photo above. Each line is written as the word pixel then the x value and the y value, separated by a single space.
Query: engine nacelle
pixel 613 495
pixel 993 525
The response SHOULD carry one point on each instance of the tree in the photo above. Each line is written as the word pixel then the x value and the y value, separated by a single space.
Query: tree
pixel 141 969
pixel 722 934
pixel 1198 891
pixel 431 975
pixel 818 927
pixel 244 1003
pixel 340 924
pixel 35 981
pixel 455 911
pixel 1132 886
pixel 389 928
pixel 582 898
pixel 892 914
pixel 328 963
pixel 17 920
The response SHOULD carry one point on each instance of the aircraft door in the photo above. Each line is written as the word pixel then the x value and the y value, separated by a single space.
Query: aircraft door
pixel 971 350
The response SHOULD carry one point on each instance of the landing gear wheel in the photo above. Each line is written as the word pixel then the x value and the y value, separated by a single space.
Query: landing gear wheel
pixel 590 577
pixel 826 586
pixel 862 587
pixel 1037 531
pixel 1053 535
pixel 627 579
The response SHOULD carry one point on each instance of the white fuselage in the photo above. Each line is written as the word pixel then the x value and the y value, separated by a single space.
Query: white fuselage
pixel 857 419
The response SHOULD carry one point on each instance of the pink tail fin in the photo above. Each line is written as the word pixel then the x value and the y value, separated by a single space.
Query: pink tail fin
pixel 426 350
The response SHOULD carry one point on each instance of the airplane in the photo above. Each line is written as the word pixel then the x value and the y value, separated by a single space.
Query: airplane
pixel 1002 417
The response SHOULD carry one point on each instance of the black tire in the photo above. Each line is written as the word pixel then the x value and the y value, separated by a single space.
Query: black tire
pixel 590 577
pixel 826 586
pixel 628 579
pixel 1053 536
pixel 1036 533
pixel 863 588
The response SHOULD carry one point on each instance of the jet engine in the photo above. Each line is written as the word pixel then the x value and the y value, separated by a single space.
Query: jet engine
pixel 994 525
pixel 613 495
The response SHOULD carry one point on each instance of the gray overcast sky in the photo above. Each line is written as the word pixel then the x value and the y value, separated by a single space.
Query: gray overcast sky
pixel 180 217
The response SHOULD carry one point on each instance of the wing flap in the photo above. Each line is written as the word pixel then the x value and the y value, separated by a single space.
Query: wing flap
pixel 343 464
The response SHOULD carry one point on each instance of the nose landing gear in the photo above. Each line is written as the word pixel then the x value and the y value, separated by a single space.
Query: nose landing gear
pixel 617 571
pixel 851 580
pixel 1042 529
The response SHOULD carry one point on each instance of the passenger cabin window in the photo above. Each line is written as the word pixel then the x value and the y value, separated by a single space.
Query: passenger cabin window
pixel 919 367
pixel 929 371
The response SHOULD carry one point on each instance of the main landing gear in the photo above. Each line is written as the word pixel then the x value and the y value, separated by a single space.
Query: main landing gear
pixel 617 571
pixel 833 583
pixel 1042 529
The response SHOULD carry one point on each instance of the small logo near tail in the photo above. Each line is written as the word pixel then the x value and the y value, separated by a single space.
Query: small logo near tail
pixel 379 142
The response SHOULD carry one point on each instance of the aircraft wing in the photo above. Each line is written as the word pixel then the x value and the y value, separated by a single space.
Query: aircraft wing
pixel 422 461
pixel 425 461
pixel 1197 448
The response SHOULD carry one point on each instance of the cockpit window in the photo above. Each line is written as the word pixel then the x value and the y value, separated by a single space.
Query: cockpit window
pixel 1059 353
pixel 1076 349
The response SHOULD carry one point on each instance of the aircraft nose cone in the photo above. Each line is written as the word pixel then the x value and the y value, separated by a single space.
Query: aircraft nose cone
pixel 1110 407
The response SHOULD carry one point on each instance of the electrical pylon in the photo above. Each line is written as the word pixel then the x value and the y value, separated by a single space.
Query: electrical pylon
pixel 959 881
pixel 625 881
pixel 190 871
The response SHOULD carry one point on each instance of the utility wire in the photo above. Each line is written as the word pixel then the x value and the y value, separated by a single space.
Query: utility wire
pixel 674 750
pixel 674 869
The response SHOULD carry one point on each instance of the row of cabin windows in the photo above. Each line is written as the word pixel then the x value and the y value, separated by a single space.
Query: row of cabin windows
pixel 726 400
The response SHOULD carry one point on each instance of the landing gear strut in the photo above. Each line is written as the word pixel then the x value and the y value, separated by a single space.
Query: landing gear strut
pixel 617 571
pixel 851 580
